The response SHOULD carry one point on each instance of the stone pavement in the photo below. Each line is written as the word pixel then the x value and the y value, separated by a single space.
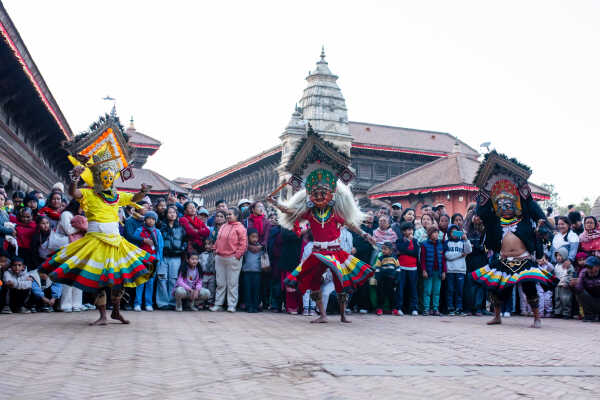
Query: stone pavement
pixel 202 355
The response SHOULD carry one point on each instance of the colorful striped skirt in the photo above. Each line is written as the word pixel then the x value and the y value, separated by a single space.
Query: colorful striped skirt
pixel 348 272
pixel 503 274
pixel 100 260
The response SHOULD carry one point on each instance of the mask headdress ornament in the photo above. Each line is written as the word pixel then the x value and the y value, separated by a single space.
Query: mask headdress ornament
pixel 324 172
pixel 104 151
pixel 504 181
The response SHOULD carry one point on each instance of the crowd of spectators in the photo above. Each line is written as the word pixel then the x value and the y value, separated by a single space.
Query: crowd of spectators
pixel 236 259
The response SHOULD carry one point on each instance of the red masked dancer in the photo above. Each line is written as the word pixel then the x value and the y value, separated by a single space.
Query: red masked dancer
pixel 327 204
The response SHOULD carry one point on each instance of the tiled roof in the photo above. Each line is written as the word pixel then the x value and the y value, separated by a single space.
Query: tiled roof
pixel 138 138
pixel 455 172
pixel 160 184
pixel 438 143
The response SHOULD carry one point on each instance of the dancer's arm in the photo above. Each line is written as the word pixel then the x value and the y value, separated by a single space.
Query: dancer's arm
pixel 279 206
pixel 75 176
pixel 141 194
pixel 360 232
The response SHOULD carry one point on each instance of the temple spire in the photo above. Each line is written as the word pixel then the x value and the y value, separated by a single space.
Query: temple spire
pixel 322 53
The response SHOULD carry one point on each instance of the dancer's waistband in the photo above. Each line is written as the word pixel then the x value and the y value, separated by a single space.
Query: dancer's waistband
pixel 104 227
pixel 333 245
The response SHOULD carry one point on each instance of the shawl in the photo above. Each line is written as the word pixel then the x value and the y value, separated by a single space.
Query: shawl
pixel 258 223
pixel 589 236
pixel 50 213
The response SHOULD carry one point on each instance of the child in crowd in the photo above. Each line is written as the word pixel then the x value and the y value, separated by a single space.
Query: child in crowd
pixel 433 269
pixel 152 242
pixel 4 261
pixel 207 263
pixel 251 269
pixel 16 288
pixel 564 272
pixel 45 293
pixel 408 256
pixel 189 284
pixel 40 241
pixel 457 249
pixel 385 274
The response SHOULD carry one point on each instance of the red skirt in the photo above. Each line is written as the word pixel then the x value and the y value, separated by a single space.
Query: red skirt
pixel 348 272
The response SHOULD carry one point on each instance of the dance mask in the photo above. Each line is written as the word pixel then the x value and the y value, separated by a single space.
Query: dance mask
pixel 320 186
pixel 506 199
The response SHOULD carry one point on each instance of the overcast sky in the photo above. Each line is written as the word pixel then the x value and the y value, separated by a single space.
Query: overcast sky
pixel 217 81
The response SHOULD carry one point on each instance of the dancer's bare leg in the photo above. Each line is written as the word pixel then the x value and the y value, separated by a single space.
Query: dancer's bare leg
pixel 497 320
pixel 537 322
pixel 342 299
pixel 102 319
pixel 316 296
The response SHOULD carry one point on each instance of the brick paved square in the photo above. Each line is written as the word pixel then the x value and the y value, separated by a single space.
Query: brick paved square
pixel 202 355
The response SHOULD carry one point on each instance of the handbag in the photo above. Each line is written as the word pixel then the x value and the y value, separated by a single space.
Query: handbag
pixel 265 263
pixel 56 240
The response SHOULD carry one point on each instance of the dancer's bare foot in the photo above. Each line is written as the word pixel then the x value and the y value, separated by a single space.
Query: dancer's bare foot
pixel 117 315
pixel 345 320
pixel 99 321
pixel 495 321
pixel 321 320
pixel 537 323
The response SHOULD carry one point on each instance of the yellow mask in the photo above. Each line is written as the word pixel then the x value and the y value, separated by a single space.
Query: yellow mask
pixel 107 178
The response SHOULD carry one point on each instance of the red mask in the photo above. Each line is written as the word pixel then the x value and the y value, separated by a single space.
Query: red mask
pixel 321 197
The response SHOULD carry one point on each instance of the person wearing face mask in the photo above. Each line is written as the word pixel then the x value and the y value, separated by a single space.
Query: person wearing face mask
pixel 53 208
pixel 244 207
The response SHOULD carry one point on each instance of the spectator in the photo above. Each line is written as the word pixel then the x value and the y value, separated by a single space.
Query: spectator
pixel 207 263
pixel 203 214
pixel 274 255
pixel 152 243
pixel 189 284
pixel 565 237
pixel 134 222
pixel 589 240
pixel 39 241
pixel 285 255
pixel 408 256
pixel 5 225
pixel 220 205
pixel 53 209
pixel 426 209
pixel 476 259
pixel 4 261
pixel 180 204
pixel 396 212
pixel 18 199
pixel 458 220
pixel 421 233
pixel 457 249
pixel 16 288
pixel 173 201
pixel 408 215
pixel 587 288
pixel 195 228
pixel 443 223
pixel 433 269
pixel 231 245
pixel 25 230
pixel 440 210
pixel 576 222
pixel 258 220
pixel 161 211
pixel 384 232
pixel 174 246
pixel 219 219
pixel 45 293
pixel 564 272
pixel 252 272
pixel 71 298
pixel 32 202
pixel 244 207
pixel 385 274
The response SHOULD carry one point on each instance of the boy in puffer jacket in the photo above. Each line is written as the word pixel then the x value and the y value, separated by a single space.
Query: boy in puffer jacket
pixel 564 271
pixel 457 249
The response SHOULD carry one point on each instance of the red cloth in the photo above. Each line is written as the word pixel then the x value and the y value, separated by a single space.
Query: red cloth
pixel 405 260
pixel 326 232
pixel 50 213
pixel 25 233
pixel 146 234
pixel 257 223
pixel 196 231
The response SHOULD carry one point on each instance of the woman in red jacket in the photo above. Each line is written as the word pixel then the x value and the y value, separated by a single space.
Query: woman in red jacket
pixel 194 227
pixel 26 228
pixel 53 209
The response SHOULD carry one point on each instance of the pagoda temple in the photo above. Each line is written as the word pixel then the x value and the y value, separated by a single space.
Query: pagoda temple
pixel 32 126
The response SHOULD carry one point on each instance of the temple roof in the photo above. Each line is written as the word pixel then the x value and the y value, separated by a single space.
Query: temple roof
pixel 160 184
pixel 454 172
pixel 396 138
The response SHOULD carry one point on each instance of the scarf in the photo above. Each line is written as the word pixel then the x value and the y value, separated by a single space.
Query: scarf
pixel 589 236
pixel 258 223
pixel 50 213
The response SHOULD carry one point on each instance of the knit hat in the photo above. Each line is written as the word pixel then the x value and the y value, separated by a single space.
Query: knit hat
pixel 151 214
pixel 251 231
pixel 581 256
pixel 58 186
pixel 563 252
pixel 592 261
pixel 202 211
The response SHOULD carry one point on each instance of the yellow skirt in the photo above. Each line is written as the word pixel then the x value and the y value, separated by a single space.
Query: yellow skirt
pixel 100 260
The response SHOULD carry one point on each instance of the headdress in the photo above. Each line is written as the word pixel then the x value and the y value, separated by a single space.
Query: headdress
pixel 103 150
pixel 320 178
pixel 500 177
